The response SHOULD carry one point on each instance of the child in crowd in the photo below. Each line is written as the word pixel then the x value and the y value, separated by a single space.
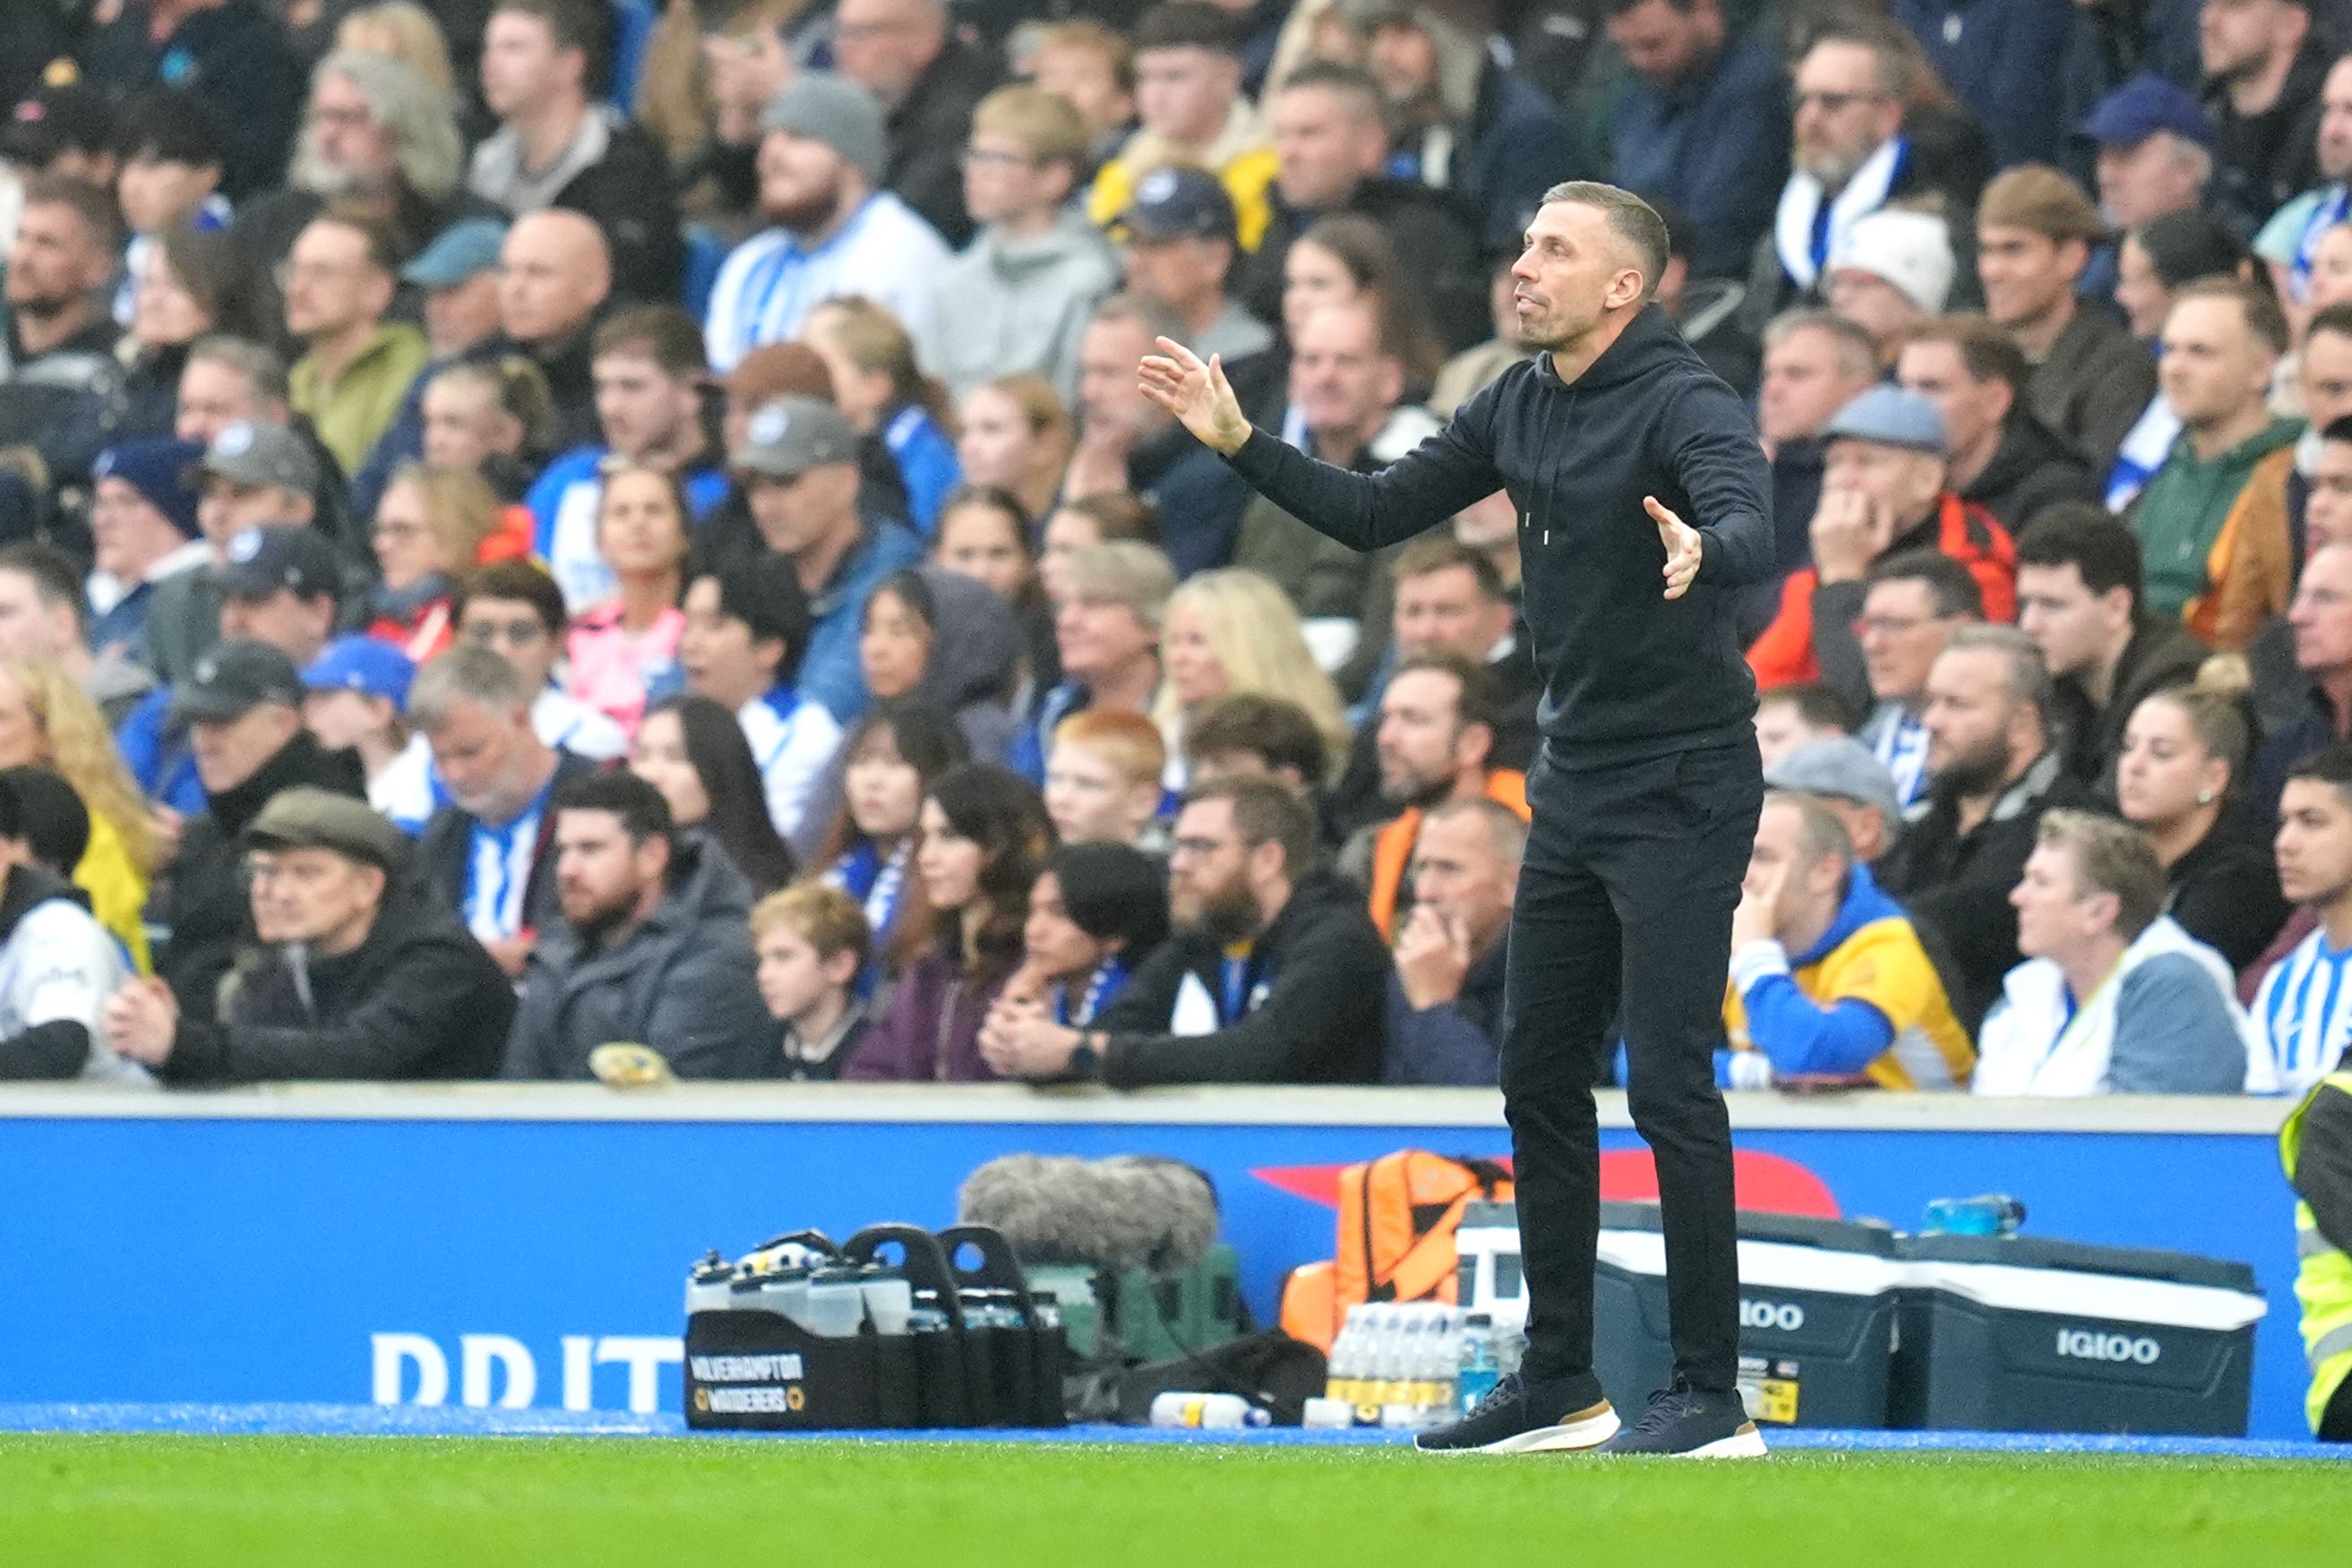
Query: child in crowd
pixel 356 698
pixel 1102 777
pixel 812 943
pixel 879 391
pixel 169 145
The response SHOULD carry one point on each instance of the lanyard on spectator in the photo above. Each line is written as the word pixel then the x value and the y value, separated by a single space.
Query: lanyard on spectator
pixel 1236 975
pixel 1104 984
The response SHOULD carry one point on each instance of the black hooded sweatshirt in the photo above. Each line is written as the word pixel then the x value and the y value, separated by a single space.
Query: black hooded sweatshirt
pixel 1628 674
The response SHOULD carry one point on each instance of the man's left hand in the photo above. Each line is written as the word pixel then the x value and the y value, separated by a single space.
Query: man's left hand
pixel 1684 546
pixel 1026 1045
pixel 141 1020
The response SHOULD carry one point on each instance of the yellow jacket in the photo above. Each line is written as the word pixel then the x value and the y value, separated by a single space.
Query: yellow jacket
pixel 118 893
pixel 1241 157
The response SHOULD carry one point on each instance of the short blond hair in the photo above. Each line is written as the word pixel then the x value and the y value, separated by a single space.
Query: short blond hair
pixel 824 916
pixel 1046 123
pixel 1127 740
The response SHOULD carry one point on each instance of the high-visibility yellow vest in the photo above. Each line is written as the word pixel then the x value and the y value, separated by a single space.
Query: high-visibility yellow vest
pixel 2324 1284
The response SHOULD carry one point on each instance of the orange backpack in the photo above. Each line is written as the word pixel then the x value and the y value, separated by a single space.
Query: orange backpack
pixel 1397 1219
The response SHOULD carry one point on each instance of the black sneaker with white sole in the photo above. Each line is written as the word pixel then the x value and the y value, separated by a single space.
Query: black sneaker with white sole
pixel 1522 1417
pixel 1694 1424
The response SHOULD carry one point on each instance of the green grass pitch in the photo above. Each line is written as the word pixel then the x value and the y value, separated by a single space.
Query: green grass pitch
pixel 255 1502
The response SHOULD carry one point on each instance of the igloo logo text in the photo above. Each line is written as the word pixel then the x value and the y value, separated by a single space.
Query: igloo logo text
pixel 2090 1345
pixel 1786 1316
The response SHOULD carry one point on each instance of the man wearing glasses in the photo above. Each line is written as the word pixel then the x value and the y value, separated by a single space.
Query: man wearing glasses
pixel 364 978
pixel 1020 292
pixel 515 611
pixel 1856 149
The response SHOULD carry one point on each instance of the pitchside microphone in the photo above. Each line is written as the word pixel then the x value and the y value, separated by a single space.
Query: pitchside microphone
pixel 1130 1211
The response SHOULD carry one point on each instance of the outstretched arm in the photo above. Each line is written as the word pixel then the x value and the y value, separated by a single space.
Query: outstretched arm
pixel 1427 486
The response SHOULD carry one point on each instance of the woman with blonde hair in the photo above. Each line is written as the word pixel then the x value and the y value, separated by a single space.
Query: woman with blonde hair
pixel 1016 436
pixel 879 390
pixel 431 526
pixel 403 31
pixel 46 718
pixel 1231 631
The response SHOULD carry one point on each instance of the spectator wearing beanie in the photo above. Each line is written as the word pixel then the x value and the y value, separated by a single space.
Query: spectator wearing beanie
pixel 2034 232
pixel 1895 272
pixel 832 229
pixel 143 520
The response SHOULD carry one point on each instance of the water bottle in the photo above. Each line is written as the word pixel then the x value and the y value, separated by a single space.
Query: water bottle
pixel 1206 1410
pixel 1345 1359
pixel 1444 1361
pixel 1387 1358
pixel 1993 1214
pixel 889 1299
pixel 834 1304
pixel 1511 1348
pixel 1480 1367
pixel 1411 1357
pixel 707 1285
pixel 785 1295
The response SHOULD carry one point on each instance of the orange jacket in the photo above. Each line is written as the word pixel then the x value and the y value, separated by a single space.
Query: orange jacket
pixel 1782 653
pixel 1392 845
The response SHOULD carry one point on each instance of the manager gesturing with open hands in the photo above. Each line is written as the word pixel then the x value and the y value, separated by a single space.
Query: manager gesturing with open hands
pixel 1629 465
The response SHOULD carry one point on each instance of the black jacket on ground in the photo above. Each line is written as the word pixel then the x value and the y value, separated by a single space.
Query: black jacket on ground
pixel 445 848
pixel 1436 247
pixel 2031 469
pixel 1956 885
pixel 926 132
pixel 682 981
pixel 204 895
pixel 418 998
pixel 2159 655
pixel 1317 980
pixel 1628 674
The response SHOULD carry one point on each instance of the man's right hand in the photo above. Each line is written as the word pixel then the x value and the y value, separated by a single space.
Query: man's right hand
pixel 1198 394
pixel 1850 531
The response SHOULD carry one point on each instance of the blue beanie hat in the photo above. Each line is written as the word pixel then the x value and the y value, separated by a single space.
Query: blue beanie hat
pixel 165 471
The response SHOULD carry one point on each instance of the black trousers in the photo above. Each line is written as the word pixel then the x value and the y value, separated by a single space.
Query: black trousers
pixel 1624 906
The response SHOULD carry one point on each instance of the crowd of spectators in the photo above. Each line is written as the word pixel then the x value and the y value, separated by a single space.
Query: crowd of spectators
pixel 528 526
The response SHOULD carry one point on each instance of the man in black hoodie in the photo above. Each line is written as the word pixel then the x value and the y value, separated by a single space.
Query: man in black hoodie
pixel 1645 794
pixel 364 976
pixel 243 710
pixel 1274 973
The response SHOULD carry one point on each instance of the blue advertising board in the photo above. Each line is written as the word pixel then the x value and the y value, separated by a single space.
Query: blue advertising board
pixel 528 1248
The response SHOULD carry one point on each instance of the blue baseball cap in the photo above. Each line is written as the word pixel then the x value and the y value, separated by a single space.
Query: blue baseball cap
pixel 1181 203
pixel 164 472
pixel 2144 106
pixel 464 250
pixel 367 665
pixel 1889 416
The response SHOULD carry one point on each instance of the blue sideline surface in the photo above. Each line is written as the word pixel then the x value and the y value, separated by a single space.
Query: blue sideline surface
pixel 453 1421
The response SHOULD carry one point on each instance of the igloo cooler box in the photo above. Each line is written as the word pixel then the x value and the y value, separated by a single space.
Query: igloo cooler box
pixel 2020 1335
pixel 1817 1315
